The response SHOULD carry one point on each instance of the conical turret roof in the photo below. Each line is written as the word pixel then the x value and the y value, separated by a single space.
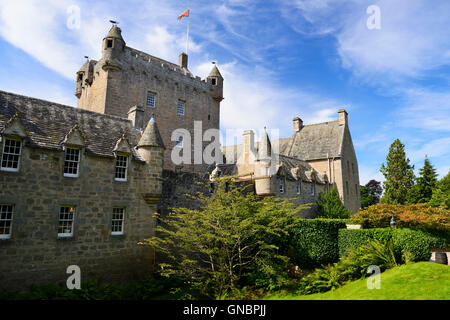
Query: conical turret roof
pixel 151 136
pixel 265 147
pixel 115 32
pixel 215 72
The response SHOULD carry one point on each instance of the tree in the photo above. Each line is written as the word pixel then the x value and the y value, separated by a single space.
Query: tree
pixel 233 239
pixel 374 188
pixel 366 198
pixel 441 193
pixel 329 205
pixel 425 183
pixel 399 175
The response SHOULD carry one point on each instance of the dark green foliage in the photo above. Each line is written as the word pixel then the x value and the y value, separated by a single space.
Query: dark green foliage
pixel 366 198
pixel 426 182
pixel 314 241
pixel 329 205
pixel 351 267
pixel 399 175
pixel 410 244
pixel 441 193
pixel 374 188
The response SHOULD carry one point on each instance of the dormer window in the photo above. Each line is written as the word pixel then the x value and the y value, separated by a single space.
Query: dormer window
pixel 109 43
pixel 121 168
pixel 12 149
pixel 71 162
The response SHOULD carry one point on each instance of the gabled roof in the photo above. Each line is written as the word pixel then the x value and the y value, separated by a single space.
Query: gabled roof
pixel 48 123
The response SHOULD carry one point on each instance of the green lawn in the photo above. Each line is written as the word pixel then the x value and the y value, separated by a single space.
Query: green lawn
pixel 418 281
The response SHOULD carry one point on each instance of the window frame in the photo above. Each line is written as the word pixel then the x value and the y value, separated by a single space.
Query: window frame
pixel 154 99
pixel 118 233
pixel 126 156
pixel 178 142
pixel 9 235
pixel 184 107
pixel 3 154
pixel 71 175
pixel 282 185
pixel 298 186
pixel 65 234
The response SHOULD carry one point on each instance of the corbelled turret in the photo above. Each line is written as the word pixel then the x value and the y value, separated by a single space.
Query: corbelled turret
pixel 217 82
pixel 112 50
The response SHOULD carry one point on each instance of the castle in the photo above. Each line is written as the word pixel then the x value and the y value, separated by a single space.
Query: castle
pixel 80 185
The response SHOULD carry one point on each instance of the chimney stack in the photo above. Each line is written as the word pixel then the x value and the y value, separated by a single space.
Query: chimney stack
pixel 298 124
pixel 183 60
pixel 342 117
pixel 136 115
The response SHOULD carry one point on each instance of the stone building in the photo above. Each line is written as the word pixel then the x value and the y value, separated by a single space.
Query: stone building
pixel 315 158
pixel 126 82
pixel 77 188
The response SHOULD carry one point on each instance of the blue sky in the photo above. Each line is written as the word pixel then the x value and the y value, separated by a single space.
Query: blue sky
pixel 280 59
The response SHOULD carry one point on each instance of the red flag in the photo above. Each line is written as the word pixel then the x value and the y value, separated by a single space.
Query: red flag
pixel 184 14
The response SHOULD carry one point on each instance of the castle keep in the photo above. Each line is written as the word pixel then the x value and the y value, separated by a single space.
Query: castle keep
pixel 132 84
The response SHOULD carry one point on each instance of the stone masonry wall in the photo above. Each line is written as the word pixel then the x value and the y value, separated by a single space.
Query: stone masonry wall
pixel 35 254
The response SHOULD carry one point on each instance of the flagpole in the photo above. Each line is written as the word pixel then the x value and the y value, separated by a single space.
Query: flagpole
pixel 187 37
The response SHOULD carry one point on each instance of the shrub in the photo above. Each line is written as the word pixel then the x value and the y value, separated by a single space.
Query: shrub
pixel 355 238
pixel 314 242
pixel 407 216
pixel 329 205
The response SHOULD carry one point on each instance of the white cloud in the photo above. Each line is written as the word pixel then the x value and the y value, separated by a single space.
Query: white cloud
pixel 368 173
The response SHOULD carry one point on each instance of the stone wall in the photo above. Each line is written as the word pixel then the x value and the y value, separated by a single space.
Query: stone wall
pixel 35 254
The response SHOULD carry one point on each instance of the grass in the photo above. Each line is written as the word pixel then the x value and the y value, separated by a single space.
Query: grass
pixel 417 281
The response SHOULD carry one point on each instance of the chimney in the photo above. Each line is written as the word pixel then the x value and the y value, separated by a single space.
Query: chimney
pixel 136 115
pixel 183 60
pixel 342 117
pixel 298 124
pixel 249 146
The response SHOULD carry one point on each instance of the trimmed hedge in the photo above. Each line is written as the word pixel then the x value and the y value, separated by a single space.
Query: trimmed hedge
pixel 416 244
pixel 314 242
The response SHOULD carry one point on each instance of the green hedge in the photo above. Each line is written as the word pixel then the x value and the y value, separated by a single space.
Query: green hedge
pixel 416 244
pixel 314 242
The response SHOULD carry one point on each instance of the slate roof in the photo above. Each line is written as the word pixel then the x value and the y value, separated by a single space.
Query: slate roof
pixel 47 123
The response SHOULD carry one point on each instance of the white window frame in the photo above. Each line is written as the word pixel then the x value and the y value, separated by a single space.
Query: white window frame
pixel 178 108
pixel 154 99
pixel 3 154
pixel 126 167
pixel 7 236
pixel 313 188
pixel 298 186
pixel 179 142
pixel 71 175
pixel 282 185
pixel 66 234
pixel 115 233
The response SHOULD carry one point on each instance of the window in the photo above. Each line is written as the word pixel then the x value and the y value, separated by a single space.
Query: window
pixel 6 215
pixel 11 155
pixel 180 108
pixel 313 188
pixel 214 81
pixel 121 168
pixel 179 142
pixel 281 185
pixel 71 162
pixel 80 76
pixel 151 99
pixel 109 43
pixel 299 186
pixel 117 221
pixel 65 227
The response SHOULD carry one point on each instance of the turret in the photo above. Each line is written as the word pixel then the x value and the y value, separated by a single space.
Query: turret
pixel 216 80
pixel 84 76
pixel 112 48
pixel 265 147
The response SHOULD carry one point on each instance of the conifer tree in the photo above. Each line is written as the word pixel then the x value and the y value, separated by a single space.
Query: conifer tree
pixel 329 205
pixel 399 174
pixel 426 182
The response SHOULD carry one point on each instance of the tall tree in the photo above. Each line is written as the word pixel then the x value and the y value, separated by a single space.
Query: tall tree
pixel 399 174
pixel 441 193
pixel 374 188
pixel 426 182
pixel 329 205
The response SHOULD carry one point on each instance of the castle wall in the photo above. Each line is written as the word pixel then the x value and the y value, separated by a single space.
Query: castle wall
pixel 35 254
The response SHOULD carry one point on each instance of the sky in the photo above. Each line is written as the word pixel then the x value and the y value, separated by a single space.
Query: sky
pixel 386 62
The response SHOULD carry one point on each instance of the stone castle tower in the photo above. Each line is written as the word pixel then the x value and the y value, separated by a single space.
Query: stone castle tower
pixel 132 84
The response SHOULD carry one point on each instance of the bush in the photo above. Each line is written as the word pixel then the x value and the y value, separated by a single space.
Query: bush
pixel 314 242
pixel 409 244
pixel 407 216
pixel 329 205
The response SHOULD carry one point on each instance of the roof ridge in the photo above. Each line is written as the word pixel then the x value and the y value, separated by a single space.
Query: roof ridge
pixel 65 106
pixel 319 123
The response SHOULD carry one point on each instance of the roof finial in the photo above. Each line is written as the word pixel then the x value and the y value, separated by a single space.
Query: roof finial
pixel 115 23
